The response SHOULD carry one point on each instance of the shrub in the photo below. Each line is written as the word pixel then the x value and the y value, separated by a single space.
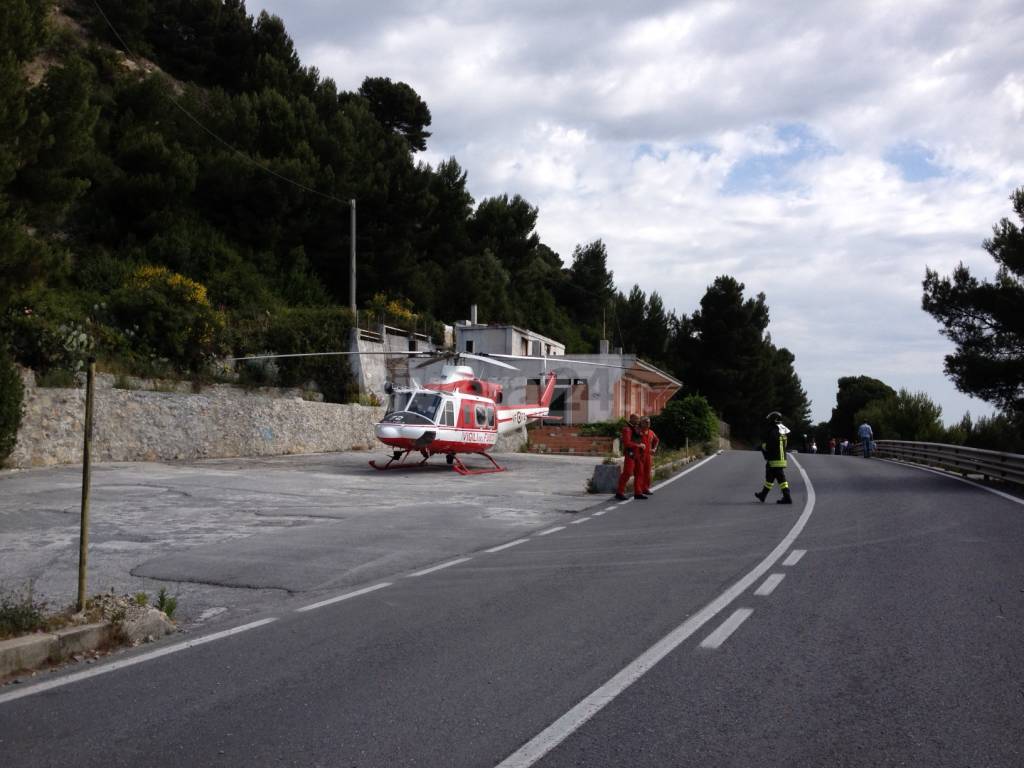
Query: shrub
pixel 11 395
pixel 170 317
pixel 603 428
pixel 20 613
pixel 688 418
pixel 296 330
pixel 52 333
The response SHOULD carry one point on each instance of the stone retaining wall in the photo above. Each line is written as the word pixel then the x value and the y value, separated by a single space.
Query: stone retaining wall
pixel 221 421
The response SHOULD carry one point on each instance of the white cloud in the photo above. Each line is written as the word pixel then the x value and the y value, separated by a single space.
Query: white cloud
pixel 748 138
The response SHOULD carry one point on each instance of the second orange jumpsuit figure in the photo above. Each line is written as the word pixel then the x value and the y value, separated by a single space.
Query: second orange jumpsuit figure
pixel 651 441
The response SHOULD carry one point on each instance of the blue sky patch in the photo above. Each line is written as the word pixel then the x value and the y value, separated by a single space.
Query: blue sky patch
pixel 915 161
pixel 770 172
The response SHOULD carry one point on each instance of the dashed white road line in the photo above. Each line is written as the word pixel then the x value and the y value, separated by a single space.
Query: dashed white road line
pixel 551 530
pixel 85 675
pixel 769 584
pixel 346 596
pixel 575 718
pixel 794 557
pixel 726 628
pixel 581 520
pixel 506 546
pixel 433 568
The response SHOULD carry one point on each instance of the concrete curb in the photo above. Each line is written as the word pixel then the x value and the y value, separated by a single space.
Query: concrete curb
pixel 606 476
pixel 37 650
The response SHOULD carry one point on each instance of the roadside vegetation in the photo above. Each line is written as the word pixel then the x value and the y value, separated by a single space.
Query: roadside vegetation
pixel 22 613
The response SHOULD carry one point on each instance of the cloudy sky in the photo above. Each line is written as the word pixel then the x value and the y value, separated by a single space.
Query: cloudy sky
pixel 822 152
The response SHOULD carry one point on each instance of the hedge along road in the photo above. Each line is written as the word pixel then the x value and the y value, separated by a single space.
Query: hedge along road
pixel 233 538
pixel 887 633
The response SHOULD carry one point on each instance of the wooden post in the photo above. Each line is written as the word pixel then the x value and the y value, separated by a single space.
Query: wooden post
pixel 83 539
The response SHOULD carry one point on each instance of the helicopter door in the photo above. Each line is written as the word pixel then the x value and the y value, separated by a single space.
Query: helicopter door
pixel 448 415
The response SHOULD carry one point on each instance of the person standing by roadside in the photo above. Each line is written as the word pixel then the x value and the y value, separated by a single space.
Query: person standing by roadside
pixel 866 436
pixel 773 448
pixel 633 449
pixel 832 446
pixel 651 442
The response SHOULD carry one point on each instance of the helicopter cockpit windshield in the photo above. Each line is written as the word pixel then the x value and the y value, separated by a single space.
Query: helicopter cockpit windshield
pixel 415 406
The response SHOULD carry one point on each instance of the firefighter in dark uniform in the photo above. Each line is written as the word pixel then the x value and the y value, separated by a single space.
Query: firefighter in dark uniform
pixel 773 448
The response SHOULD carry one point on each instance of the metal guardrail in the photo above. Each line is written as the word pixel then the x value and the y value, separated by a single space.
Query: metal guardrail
pixel 957 458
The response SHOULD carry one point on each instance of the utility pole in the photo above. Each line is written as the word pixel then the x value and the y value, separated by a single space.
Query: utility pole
pixel 83 536
pixel 352 260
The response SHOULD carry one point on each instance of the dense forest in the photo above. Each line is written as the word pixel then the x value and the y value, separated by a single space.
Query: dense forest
pixel 175 186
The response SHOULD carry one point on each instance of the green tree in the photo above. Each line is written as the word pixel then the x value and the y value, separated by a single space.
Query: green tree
pixel 725 355
pixel 588 292
pixel 855 392
pixel 399 109
pixel 984 319
pixel 687 418
pixel 788 394
pixel 11 393
pixel 904 416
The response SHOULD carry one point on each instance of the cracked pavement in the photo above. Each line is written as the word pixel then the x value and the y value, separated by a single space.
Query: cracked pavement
pixel 232 538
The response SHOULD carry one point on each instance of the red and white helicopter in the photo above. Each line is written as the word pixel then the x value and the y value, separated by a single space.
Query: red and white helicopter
pixel 458 414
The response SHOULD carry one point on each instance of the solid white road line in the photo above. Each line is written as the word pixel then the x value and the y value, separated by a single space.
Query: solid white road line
pixel 794 557
pixel 684 473
pixel 506 546
pixel 575 718
pixel 940 473
pixel 449 564
pixel 346 596
pixel 581 520
pixel 768 585
pixel 551 530
pixel 726 628
pixel 102 670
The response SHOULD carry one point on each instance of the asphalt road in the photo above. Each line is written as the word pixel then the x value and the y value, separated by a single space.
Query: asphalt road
pixel 632 635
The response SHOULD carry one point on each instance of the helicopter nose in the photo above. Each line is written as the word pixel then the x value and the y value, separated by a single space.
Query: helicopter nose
pixel 389 430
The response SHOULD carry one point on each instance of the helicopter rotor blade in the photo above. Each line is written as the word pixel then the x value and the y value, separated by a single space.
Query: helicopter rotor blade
pixel 486 358
pixel 559 360
pixel 317 354
pixel 457 356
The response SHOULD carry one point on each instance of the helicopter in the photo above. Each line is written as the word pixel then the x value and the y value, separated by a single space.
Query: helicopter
pixel 458 414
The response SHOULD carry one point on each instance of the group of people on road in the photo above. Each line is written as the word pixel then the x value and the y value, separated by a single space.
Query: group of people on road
pixel 639 444
pixel 844 447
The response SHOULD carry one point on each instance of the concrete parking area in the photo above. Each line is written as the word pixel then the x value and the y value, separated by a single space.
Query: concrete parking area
pixel 235 537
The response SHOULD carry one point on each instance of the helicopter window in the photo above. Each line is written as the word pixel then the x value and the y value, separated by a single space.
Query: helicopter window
pixel 448 415
pixel 481 416
pixel 490 417
pixel 398 401
pixel 424 404
pixel 467 416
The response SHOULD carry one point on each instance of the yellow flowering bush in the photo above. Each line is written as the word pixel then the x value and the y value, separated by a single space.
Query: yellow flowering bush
pixel 169 317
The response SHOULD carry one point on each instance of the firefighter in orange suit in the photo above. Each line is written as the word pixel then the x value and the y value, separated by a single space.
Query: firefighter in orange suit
pixel 651 442
pixel 633 448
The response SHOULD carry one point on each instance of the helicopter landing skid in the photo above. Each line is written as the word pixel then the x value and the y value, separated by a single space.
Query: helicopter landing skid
pixel 398 460
pixel 399 457
pixel 462 469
